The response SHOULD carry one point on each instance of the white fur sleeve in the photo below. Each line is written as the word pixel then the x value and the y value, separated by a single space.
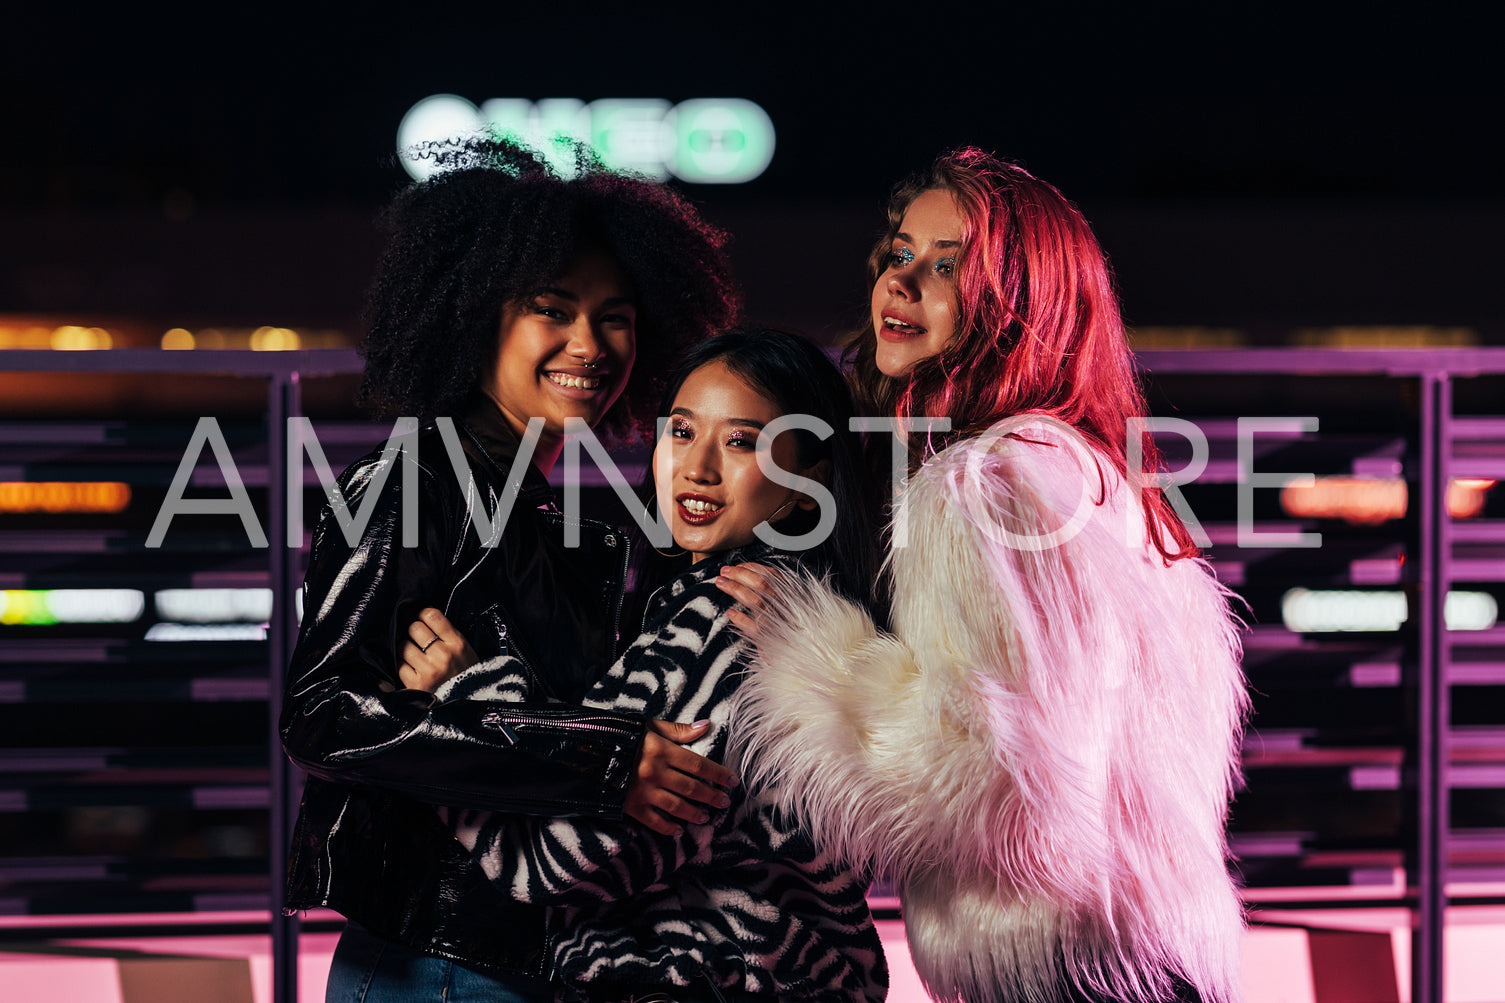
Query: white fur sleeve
pixel 823 717
pixel 1051 688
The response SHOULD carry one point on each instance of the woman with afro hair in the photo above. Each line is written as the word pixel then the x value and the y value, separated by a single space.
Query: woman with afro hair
pixel 510 302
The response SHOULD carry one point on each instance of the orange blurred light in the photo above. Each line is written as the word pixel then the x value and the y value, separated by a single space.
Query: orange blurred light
pixel 64 496
pixel 73 338
pixel 1362 501
pixel 177 339
pixel 1466 496
pixel 30 336
pixel 274 339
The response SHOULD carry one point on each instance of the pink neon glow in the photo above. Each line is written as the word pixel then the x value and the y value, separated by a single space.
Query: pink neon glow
pixel 1281 962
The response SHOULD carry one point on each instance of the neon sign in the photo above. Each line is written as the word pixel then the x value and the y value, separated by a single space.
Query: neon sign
pixel 702 140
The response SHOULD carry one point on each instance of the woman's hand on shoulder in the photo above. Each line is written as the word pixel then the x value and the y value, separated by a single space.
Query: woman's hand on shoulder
pixel 749 584
pixel 435 652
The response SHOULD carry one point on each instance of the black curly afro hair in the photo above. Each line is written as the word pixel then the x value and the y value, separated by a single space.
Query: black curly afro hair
pixel 495 225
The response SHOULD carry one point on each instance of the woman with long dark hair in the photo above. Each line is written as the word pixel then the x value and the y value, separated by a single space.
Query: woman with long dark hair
pixel 743 907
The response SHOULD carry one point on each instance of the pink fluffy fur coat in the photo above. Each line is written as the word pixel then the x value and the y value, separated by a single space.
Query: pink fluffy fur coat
pixel 1042 751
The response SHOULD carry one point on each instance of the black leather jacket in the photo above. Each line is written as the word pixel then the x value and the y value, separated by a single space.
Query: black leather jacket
pixel 367 842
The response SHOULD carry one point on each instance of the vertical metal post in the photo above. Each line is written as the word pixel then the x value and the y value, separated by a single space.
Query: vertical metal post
pixel 1432 704
pixel 284 403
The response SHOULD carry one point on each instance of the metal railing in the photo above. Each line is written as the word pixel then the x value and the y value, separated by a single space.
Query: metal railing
pixel 1436 430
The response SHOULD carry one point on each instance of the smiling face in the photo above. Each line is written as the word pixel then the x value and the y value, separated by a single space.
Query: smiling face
pixel 566 351
pixel 914 299
pixel 705 469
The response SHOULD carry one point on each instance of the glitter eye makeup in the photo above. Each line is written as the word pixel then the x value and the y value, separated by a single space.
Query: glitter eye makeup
pixel 902 256
pixel 945 266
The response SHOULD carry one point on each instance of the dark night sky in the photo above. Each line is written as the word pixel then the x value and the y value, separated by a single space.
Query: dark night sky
pixel 1278 164
pixel 246 107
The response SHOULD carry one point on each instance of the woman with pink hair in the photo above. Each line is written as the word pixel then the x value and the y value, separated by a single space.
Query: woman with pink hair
pixel 1041 746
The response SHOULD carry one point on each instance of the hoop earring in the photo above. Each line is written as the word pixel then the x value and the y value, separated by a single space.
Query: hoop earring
pixel 782 511
pixel 653 514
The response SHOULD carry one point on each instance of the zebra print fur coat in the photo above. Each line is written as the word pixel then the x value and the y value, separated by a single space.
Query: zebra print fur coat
pixel 746 900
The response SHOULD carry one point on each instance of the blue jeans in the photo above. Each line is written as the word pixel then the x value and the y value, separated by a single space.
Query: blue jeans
pixel 367 969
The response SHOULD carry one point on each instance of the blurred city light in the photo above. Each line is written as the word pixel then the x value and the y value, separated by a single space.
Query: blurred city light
pixel 42 607
pixel 64 496
pixel 1369 501
pixel 1466 496
pixel 177 338
pixel 214 605
pixel 1362 501
pixel 72 338
pixel 1315 611
pixel 274 339
pixel 1385 336
pixel 1185 336
pixel 206 632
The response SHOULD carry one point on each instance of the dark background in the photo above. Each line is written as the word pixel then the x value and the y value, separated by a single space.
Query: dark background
pixel 1263 167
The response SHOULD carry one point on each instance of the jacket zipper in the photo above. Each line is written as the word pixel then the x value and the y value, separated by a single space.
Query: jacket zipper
pixel 616 617
pixel 500 626
pixel 503 722
pixel 610 532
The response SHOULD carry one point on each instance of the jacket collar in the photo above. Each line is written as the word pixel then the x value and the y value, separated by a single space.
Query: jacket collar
pixel 487 427
pixel 756 551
